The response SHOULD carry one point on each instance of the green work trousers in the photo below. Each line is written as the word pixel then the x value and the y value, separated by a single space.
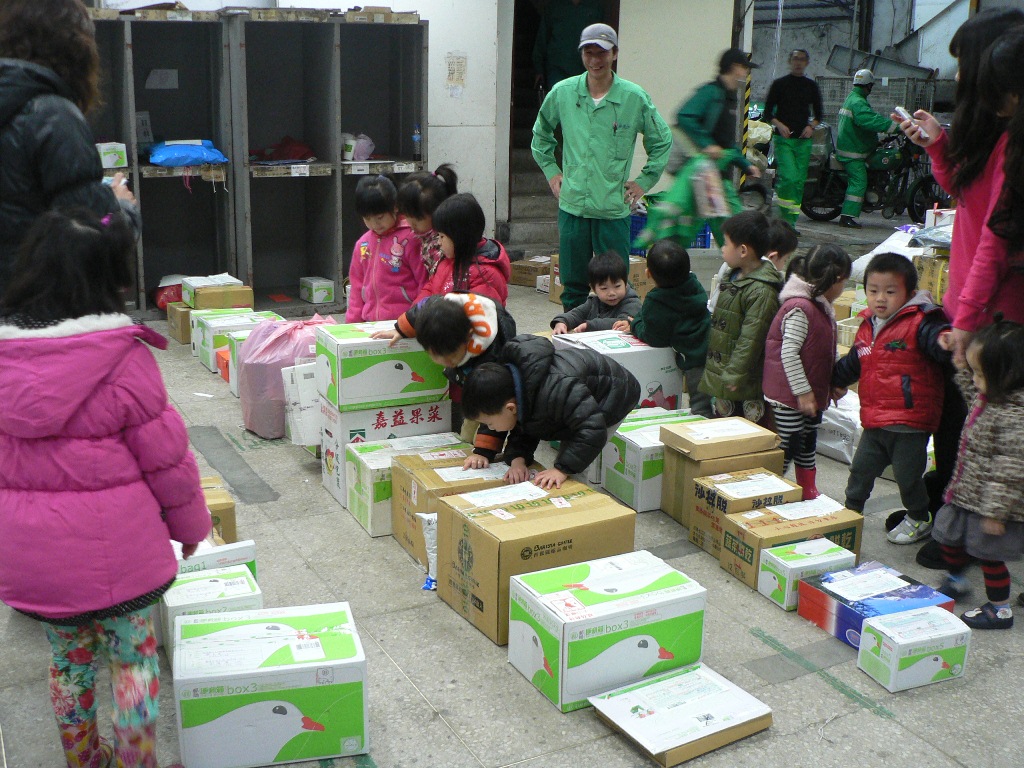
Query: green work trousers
pixel 856 186
pixel 579 239
pixel 792 157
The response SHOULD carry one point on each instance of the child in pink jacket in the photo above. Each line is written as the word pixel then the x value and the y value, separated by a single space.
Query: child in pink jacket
pixel 96 478
pixel 386 272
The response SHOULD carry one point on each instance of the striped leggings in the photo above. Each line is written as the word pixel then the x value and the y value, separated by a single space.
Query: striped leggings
pixel 997 576
pixel 799 435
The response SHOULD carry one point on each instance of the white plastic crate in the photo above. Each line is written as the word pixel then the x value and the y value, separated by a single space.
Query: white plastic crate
pixel 847 331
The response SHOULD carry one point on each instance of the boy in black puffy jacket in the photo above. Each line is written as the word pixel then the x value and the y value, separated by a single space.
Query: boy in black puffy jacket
pixel 539 393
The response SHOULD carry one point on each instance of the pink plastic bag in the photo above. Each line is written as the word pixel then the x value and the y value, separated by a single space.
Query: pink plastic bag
pixel 272 345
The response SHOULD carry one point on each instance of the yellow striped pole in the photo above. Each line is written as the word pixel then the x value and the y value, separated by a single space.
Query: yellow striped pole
pixel 746 119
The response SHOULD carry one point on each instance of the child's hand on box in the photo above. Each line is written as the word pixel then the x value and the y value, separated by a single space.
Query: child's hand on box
pixel 559 329
pixel 550 478
pixel 517 472
pixel 621 325
pixel 581 328
pixel 476 461
pixel 391 336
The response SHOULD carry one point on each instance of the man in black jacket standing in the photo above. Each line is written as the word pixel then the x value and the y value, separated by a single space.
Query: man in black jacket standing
pixel 791 99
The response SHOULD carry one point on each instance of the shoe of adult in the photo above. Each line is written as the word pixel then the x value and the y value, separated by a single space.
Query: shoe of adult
pixel 849 222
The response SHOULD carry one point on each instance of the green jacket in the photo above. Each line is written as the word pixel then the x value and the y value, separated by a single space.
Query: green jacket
pixel 744 313
pixel 676 317
pixel 598 145
pixel 859 126
pixel 699 114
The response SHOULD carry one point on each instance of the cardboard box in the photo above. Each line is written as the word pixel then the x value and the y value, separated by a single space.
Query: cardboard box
pixel 178 327
pixel 279 685
pixel 113 154
pixel 222 508
pixel 782 568
pixel 840 601
pixel 301 404
pixel 368 474
pixel 355 372
pixel 216 590
pixel 196 314
pixel 661 381
pixel 213 330
pixel 370 14
pixel 842 307
pixel 746 534
pixel 940 217
pixel 487 537
pixel 213 291
pixel 638 277
pixel 338 429
pixel 932 275
pixel 914 648
pixel 222 365
pixel 677 489
pixel 544 284
pixel 633 461
pixel 235 339
pixel 727 493
pixel 682 714
pixel 593 473
pixel 417 479
pixel 714 438
pixel 527 271
pixel 316 290
pixel 584 629
pixel 555 282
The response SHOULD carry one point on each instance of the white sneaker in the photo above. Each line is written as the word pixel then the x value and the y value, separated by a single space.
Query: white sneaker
pixel 910 531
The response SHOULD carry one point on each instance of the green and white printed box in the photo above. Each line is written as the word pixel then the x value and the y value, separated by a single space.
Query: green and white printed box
pixel 355 372
pixel 213 332
pixel 216 590
pixel 301 404
pixel 189 285
pixel 338 429
pixel 913 648
pixel 583 629
pixel 235 339
pixel 280 685
pixel 196 314
pixel 316 290
pixel 782 568
pixel 113 154
pixel 634 459
pixel 368 475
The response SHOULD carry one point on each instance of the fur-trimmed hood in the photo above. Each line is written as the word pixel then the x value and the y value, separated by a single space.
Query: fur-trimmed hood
pixel 798 288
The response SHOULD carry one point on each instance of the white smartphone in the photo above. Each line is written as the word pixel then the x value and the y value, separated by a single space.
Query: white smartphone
pixel 907 116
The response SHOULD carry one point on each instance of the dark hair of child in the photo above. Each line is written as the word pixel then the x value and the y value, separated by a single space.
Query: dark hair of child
pixel 1001 354
pixel 71 263
pixel 376 195
pixel 749 228
pixel 782 238
pixel 442 326
pixel 669 263
pixel 606 266
pixel 893 263
pixel 461 219
pixel 822 266
pixel 420 193
pixel 487 390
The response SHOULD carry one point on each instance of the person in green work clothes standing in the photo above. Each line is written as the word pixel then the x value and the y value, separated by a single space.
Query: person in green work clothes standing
pixel 859 126
pixel 791 99
pixel 600 115
pixel 555 53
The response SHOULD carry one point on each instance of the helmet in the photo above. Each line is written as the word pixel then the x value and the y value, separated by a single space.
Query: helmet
pixel 864 77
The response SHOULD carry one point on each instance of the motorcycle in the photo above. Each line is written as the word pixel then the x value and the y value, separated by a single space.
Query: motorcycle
pixel 899 180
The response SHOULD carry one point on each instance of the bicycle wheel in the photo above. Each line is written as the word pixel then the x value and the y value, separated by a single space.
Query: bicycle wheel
pixel 923 195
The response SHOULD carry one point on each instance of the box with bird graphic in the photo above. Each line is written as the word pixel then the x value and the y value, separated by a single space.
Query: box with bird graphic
pixel 584 629
pixel 782 568
pixel 355 371
pixel 280 685
pixel 914 648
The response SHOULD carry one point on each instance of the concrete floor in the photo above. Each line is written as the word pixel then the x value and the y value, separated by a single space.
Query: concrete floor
pixel 441 694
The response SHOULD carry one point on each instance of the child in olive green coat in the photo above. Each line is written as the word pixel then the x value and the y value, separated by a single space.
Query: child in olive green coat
pixel 746 306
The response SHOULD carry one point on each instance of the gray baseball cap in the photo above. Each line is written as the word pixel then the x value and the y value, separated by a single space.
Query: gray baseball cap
pixel 599 34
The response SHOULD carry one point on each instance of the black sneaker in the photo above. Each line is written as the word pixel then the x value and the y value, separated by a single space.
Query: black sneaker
pixel 849 222
pixel 930 556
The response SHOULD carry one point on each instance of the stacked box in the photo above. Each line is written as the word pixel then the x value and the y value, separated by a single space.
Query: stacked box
pixel 235 339
pixel 661 381
pixel 278 685
pixel 368 474
pixel 728 493
pixel 914 648
pixel 527 271
pixel 486 537
pixel 784 566
pixel 584 629
pixel 594 473
pixel 316 290
pixel 222 508
pixel 633 461
pixel 195 315
pixel 213 330
pixel 178 327
pixel 338 429
pixel 215 292
pixel 839 602
pixel 554 282
pixel 222 365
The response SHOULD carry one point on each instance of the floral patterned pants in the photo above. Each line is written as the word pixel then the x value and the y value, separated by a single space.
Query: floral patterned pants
pixel 129 645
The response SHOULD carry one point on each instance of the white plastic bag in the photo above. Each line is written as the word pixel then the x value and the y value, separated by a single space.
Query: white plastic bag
pixel 364 148
pixel 840 429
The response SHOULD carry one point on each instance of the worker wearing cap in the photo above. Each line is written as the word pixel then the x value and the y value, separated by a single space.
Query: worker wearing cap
pixel 600 115
pixel 859 126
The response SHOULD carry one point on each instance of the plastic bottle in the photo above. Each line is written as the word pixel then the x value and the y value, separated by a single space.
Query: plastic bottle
pixel 417 143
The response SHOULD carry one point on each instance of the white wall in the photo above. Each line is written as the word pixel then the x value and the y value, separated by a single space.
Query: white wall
pixel 934 37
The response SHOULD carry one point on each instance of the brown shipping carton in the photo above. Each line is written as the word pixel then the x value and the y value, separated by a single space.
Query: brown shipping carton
pixel 744 535
pixel 726 493
pixel 527 271
pixel 486 538
pixel 714 438
pixel 638 277
pixel 555 290
pixel 222 508
pixel 178 326
pixel 224 297
pixel 677 489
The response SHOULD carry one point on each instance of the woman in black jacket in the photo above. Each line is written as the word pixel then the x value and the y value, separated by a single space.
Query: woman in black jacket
pixel 49 74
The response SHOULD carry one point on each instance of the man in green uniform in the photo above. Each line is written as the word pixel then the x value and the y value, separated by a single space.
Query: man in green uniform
pixel 859 126
pixel 600 115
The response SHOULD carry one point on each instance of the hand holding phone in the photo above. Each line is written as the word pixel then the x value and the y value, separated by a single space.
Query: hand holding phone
pixel 907 116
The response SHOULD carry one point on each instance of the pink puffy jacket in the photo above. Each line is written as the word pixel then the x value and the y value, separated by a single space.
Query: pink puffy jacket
pixel 96 476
